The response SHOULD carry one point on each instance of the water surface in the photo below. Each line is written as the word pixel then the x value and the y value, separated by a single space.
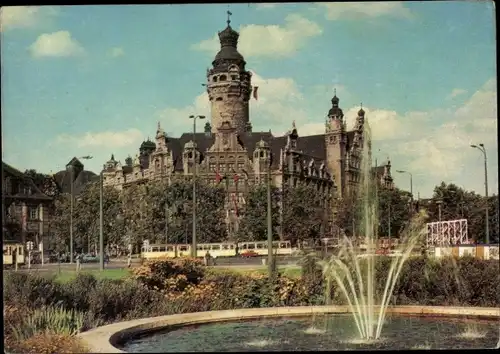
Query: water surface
pixel 324 332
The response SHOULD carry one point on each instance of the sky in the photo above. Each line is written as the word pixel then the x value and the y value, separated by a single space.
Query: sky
pixel 95 80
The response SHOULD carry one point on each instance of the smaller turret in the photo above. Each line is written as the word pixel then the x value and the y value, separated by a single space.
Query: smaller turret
pixel 128 161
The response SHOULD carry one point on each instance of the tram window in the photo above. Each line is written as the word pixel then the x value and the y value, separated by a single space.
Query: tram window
pixel 6 251
pixel 225 247
pixel 282 244
pixel 216 247
pixel 199 247
pixel 251 246
pixel 154 249
pixel 170 248
pixel 260 246
pixel 20 251
pixel 206 247
pixel 161 249
pixel 243 246
pixel 183 248
pixel 231 247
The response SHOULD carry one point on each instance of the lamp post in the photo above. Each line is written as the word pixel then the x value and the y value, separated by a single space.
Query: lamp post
pixel 439 202
pixel 481 148
pixel 411 185
pixel 71 210
pixel 193 246
pixel 101 218
pixel 269 220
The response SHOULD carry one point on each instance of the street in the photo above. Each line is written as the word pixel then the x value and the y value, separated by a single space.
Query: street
pixel 225 262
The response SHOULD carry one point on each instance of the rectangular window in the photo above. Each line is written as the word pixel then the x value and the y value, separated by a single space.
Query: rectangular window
pixel 33 213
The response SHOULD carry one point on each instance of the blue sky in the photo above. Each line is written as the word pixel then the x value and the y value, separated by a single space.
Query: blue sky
pixel 94 80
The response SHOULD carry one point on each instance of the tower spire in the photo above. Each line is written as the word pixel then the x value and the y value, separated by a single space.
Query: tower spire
pixel 229 13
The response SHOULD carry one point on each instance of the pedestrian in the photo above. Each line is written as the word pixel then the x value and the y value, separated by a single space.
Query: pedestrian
pixel 78 266
pixel 207 258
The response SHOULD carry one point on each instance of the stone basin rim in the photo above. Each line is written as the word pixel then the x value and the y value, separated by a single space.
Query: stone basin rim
pixel 106 339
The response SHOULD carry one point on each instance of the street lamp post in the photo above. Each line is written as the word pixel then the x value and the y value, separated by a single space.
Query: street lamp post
pixel 269 220
pixel 411 185
pixel 101 218
pixel 193 246
pixel 72 197
pixel 439 202
pixel 481 148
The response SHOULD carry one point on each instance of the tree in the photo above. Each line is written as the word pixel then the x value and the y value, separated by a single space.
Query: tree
pixel 253 222
pixel 162 213
pixel 346 214
pixel 457 203
pixel 394 205
pixel 303 213
pixel 59 224
pixel 210 225
pixel 137 215
pixel 44 182
pixel 86 217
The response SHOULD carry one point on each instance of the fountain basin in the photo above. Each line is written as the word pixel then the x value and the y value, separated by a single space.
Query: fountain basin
pixel 109 339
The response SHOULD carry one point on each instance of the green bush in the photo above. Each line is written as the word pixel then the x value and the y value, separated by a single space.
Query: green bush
pixel 170 275
pixel 48 320
pixel 32 290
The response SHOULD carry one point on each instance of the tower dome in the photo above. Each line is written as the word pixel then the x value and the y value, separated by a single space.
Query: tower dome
pixel 335 110
pixel 228 53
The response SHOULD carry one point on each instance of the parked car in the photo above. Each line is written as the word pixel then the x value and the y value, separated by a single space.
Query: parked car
pixel 248 254
pixel 90 258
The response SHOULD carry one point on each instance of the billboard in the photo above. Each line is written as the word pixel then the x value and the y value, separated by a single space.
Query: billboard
pixel 447 233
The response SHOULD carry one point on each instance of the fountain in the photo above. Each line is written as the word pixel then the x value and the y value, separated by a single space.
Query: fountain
pixel 355 326
pixel 353 270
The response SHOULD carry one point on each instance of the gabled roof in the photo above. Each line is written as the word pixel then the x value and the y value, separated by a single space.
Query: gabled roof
pixel 63 180
pixel 36 193
pixel 75 163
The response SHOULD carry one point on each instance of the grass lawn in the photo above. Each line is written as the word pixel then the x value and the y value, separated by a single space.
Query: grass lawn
pixel 67 275
pixel 121 273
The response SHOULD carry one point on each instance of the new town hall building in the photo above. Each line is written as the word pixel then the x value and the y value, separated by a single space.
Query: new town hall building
pixel 229 147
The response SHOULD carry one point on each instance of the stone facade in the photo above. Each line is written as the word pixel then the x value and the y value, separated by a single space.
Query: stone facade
pixel 229 148
pixel 25 209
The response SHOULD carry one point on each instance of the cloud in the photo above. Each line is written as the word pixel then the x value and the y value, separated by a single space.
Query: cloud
pixel 56 44
pixel 12 17
pixel 435 145
pixel 108 139
pixel 266 6
pixel 359 10
pixel 456 92
pixel 281 41
pixel 116 52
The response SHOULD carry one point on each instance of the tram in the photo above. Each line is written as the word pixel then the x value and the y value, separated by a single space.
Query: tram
pixel 13 252
pixel 216 250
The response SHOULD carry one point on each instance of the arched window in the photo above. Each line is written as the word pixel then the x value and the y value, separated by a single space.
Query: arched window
pixel 223 78
pixel 262 154
pixel 218 99
pixel 190 155
pixel 214 79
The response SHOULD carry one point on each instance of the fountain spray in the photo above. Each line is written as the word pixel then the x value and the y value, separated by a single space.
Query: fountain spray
pixel 353 270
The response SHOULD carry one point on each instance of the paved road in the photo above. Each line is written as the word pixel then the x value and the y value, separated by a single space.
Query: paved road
pixel 119 263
